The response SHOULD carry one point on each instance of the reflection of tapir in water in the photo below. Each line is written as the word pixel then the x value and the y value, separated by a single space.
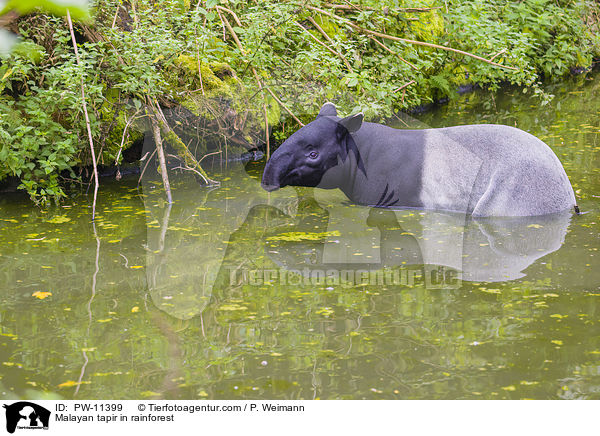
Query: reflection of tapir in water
pixel 391 246
pixel 483 249
pixel 30 413
pixel 483 170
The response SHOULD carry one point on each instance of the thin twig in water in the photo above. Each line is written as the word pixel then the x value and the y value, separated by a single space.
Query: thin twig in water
pixel 126 261
pixel 210 154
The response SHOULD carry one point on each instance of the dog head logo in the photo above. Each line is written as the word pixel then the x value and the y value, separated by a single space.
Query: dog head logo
pixel 24 414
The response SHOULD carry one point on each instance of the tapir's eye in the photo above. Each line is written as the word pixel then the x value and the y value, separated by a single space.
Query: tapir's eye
pixel 313 154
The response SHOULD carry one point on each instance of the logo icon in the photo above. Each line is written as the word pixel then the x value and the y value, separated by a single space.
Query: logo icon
pixel 26 415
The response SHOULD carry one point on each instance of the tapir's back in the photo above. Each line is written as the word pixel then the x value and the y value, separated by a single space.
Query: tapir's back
pixel 518 174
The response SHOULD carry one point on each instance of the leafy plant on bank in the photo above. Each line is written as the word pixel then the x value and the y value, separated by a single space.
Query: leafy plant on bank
pixel 282 57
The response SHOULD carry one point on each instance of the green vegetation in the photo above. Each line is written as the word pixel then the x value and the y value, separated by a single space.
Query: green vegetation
pixel 233 63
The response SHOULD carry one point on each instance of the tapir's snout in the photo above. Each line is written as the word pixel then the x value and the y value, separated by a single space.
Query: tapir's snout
pixel 272 175
pixel 269 188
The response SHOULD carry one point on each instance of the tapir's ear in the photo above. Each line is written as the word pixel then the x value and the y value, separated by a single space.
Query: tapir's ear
pixel 353 122
pixel 328 110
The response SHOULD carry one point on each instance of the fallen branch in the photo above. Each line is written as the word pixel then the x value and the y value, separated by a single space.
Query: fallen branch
pixel 411 10
pixel 325 45
pixel 87 118
pixel 235 17
pixel 284 106
pixel 393 52
pixel 326 36
pixel 180 147
pixel 349 7
pixel 401 10
pixel 498 54
pixel 160 153
pixel 408 41
pixel 198 60
pixel 336 53
pixel 400 88
pixel 210 154
pixel 129 122
pixel 225 21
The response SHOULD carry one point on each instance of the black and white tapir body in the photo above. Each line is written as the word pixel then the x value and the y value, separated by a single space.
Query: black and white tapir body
pixel 483 170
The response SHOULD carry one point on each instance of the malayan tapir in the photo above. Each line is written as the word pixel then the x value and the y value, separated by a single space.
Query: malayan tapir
pixel 483 170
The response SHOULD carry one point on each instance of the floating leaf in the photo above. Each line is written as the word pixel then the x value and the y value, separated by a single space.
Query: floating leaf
pixel 149 394
pixel 59 220
pixel 71 383
pixel 303 236
pixel 41 294
pixel 135 309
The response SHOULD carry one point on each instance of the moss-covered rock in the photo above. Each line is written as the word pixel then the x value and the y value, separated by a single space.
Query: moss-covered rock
pixel 218 79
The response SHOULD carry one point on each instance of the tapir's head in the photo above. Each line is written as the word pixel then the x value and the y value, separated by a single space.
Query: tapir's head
pixel 316 148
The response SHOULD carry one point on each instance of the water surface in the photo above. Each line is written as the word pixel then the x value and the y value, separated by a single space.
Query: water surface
pixel 233 293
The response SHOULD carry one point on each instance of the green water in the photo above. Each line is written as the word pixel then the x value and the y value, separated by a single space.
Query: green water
pixel 220 296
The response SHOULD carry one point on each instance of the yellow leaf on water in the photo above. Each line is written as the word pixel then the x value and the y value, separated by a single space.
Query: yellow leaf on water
pixel 136 266
pixel 557 342
pixel 41 295
pixel 59 219
pixel 135 309
pixel 105 320
pixel 71 383
pixel 303 236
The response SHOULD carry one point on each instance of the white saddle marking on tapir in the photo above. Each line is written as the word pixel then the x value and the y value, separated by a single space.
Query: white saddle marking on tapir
pixel 440 170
